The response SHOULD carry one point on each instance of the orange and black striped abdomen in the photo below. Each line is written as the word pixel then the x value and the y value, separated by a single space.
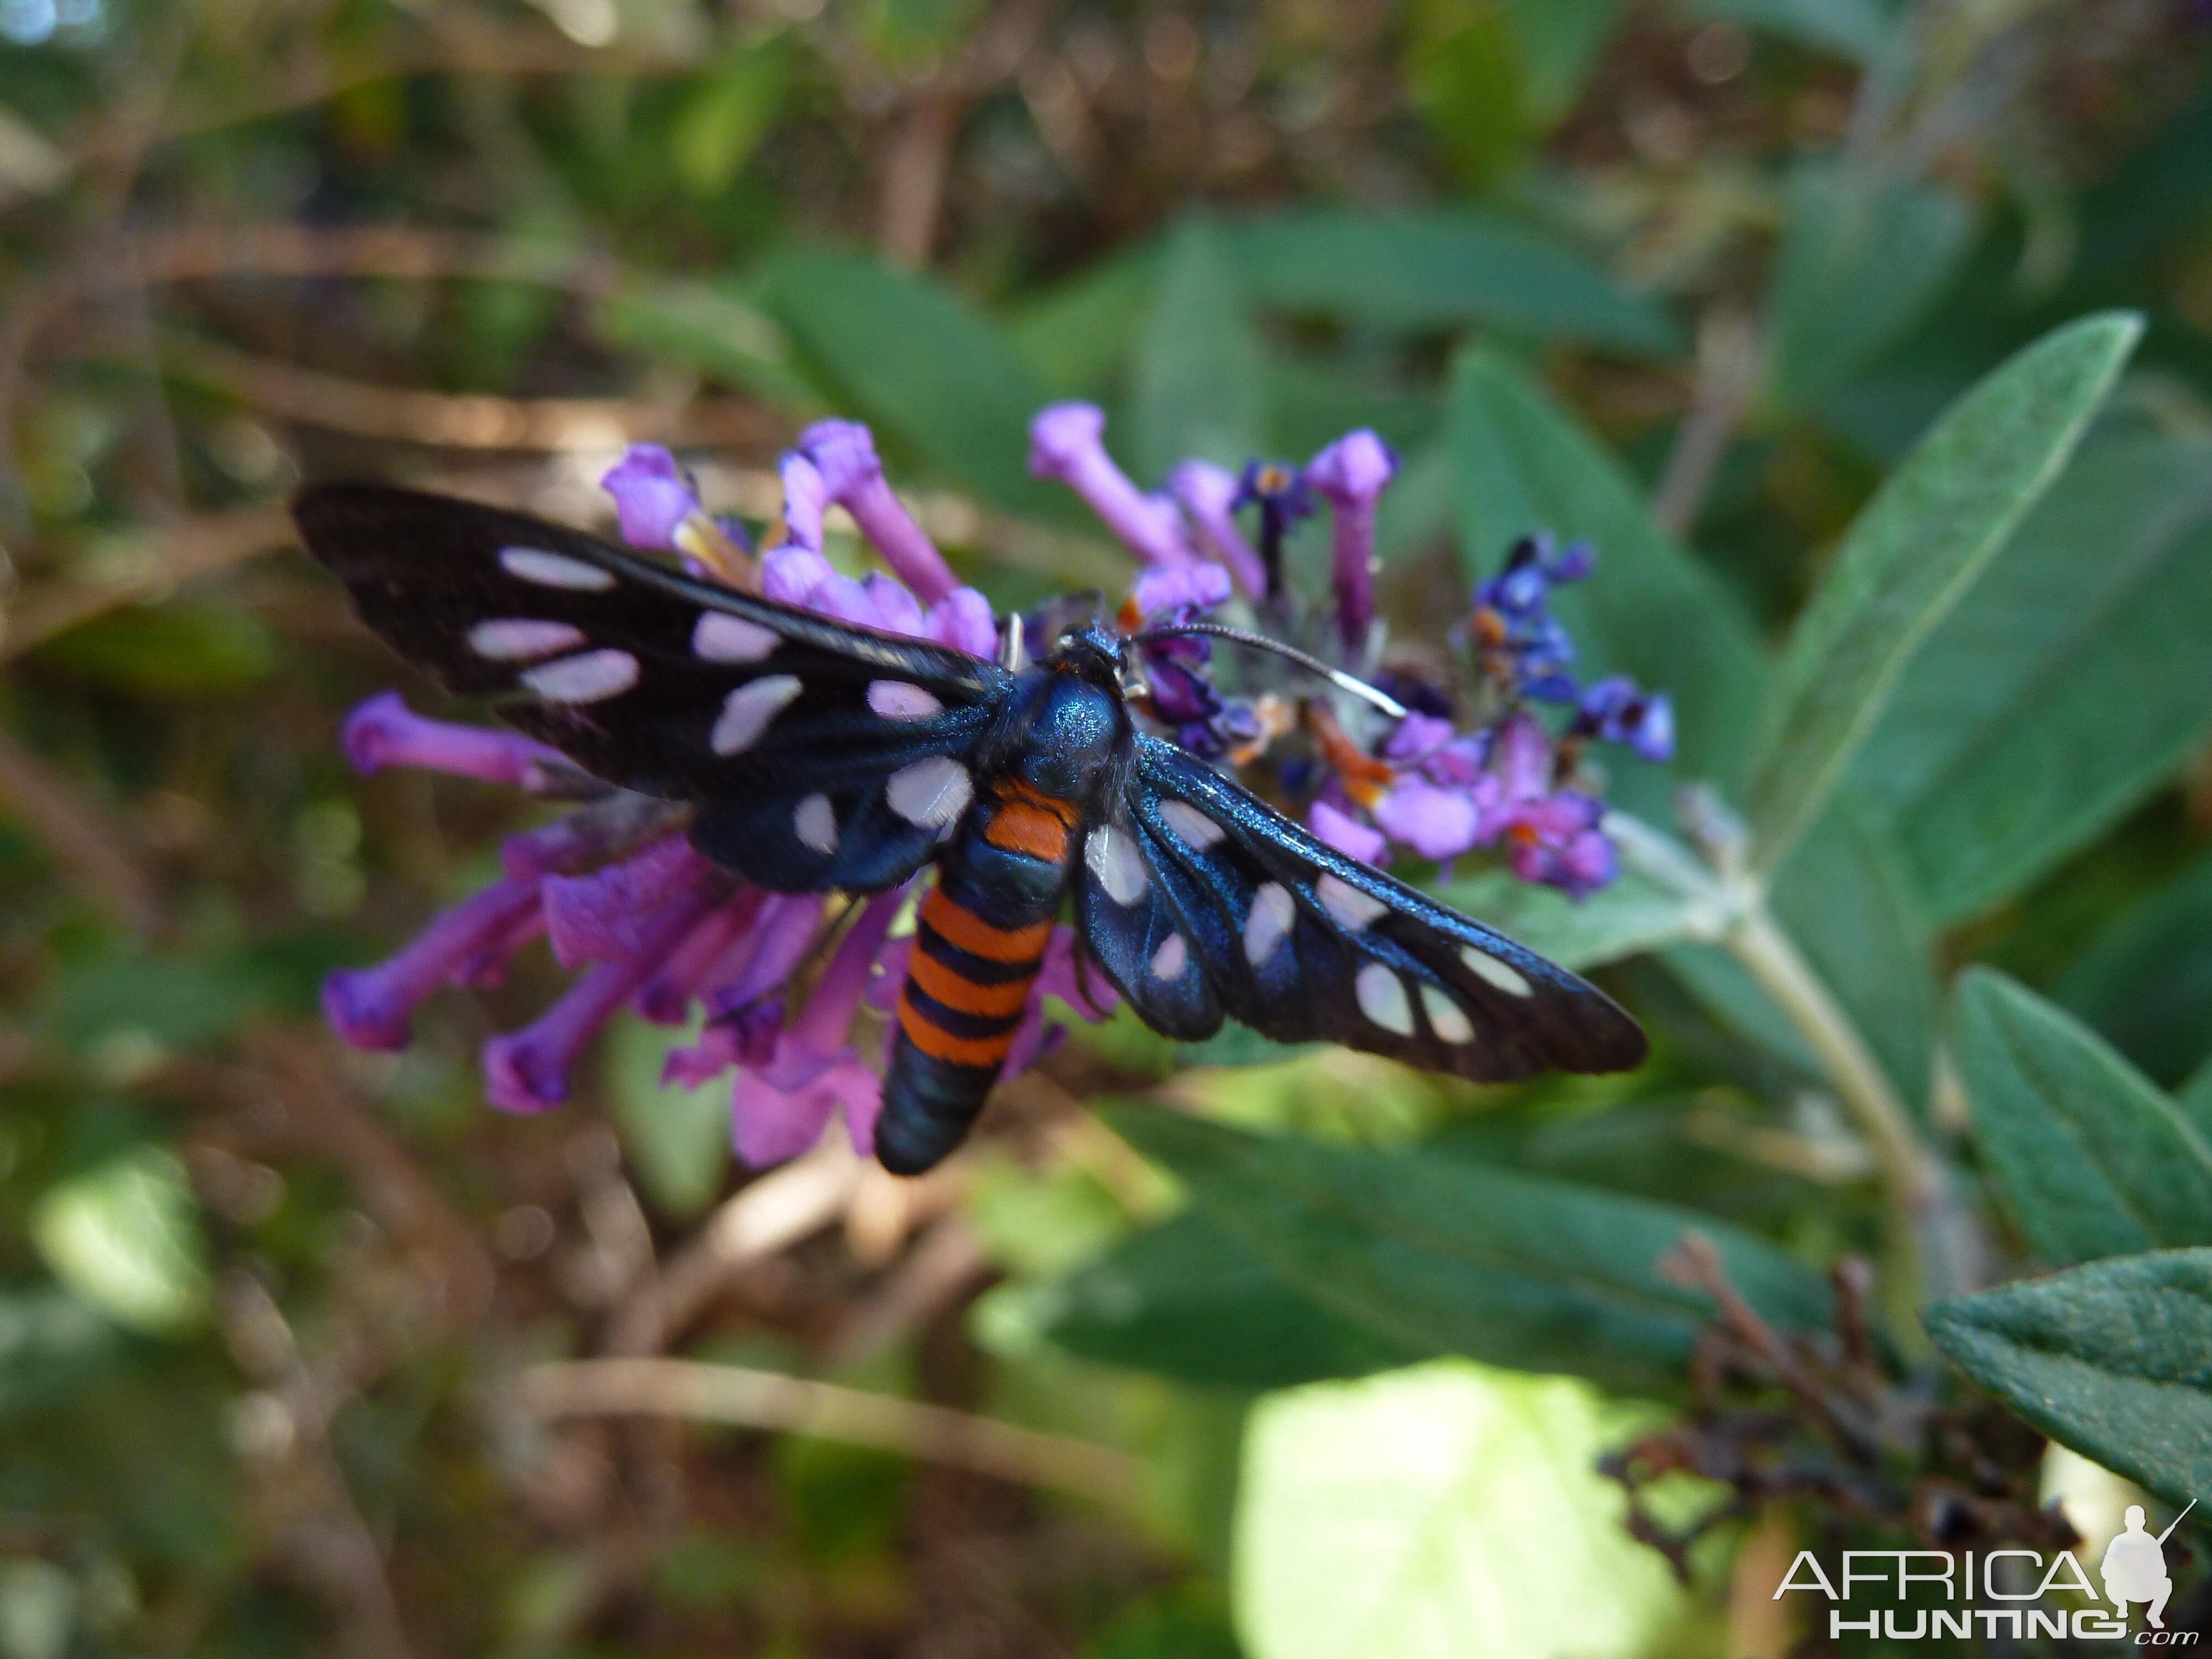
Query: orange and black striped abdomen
pixel 980 939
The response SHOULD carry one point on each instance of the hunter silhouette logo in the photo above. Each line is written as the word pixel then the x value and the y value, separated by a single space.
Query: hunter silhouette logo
pixel 2135 1566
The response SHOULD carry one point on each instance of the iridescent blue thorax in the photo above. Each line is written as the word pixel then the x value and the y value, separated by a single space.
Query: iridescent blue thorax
pixel 1076 723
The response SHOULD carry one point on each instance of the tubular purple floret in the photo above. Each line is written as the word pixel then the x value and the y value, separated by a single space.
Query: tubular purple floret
pixel 1345 833
pixel 844 453
pixel 527 1071
pixel 763 957
pixel 806 497
pixel 1208 494
pixel 384 731
pixel 605 915
pixel 1436 823
pixel 369 1007
pixel 665 999
pixel 1067 445
pixel 962 620
pixel 608 828
pixel 829 1017
pixel 652 497
pixel 779 1109
pixel 1352 473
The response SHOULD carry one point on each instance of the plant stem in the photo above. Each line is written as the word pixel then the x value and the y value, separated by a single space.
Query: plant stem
pixel 1939 1237
pixel 1773 959
pixel 769 1400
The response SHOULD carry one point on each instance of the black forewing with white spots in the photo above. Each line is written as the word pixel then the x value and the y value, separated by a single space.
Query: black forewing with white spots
pixel 1198 899
pixel 819 755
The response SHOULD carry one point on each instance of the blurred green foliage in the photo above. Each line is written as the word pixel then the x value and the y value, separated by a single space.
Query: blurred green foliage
pixel 1871 341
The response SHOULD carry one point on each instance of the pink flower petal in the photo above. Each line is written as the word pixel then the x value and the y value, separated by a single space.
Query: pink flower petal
pixel 653 498
pixel 1347 835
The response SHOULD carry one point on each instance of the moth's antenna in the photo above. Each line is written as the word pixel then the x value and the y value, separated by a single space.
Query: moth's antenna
pixel 1336 676
pixel 1013 645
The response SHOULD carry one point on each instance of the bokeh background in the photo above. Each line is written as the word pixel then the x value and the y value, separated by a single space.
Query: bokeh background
pixel 272 1313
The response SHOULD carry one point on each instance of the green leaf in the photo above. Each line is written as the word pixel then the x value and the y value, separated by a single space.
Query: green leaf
pixel 2091 1158
pixel 1171 1624
pixel 141 1000
pixel 1417 511
pixel 1443 1512
pixel 1863 257
pixel 1439 271
pixel 1651 610
pixel 1432 1252
pixel 1847 898
pixel 51 1343
pixel 1312 399
pixel 677 1139
pixel 909 355
pixel 910 33
pixel 1190 1300
pixel 1074 337
pixel 2145 981
pixel 1632 916
pixel 1854 28
pixel 1558 42
pixel 1238 1044
pixel 1195 387
pixel 39 1610
pixel 2194 1100
pixel 709 326
pixel 2113 1359
pixel 1712 974
pixel 725 120
pixel 1463 73
pixel 1912 552
pixel 2004 749
pixel 124 1236
pixel 192 647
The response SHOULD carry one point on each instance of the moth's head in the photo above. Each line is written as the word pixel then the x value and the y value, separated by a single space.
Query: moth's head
pixel 1096 653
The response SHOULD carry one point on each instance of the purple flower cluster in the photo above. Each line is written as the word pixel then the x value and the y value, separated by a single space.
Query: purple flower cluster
pixel 782 980
pixel 1506 783
pixel 1510 784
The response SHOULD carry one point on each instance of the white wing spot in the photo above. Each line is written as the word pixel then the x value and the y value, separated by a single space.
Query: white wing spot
pixel 747 711
pixel 1114 860
pixel 814 821
pixel 1274 910
pixel 1446 1017
pixel 592 678
pixel 895 699
pixel 720 637
pixel 930 794
pixel 1351 907
pixel 1169 961
pixel 1192 827
pixel 536 565
pixel 1483 965
pixel 1381 996
pixel 519 639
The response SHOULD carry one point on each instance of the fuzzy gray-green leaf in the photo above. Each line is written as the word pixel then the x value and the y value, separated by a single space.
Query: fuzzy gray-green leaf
pixel 2091 1158
pixel 1913 550
pixel 2113 1359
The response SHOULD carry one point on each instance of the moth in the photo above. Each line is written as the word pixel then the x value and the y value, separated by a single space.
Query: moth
pixel 818 756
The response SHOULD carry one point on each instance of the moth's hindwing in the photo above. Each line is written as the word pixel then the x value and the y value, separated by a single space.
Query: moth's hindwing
pixel 1198 900
pixel 819 755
